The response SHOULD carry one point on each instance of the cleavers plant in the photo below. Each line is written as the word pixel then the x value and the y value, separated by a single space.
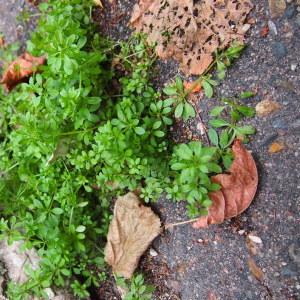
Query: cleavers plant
pixel 86 129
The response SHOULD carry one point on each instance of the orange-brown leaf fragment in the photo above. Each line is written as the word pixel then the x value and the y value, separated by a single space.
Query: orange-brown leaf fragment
pixel 266 107
pixel 238 188
pixel 276 147
pixel 191 31
pixel 20 70
pixel 188 85
pixel 131 231
pixel 255 270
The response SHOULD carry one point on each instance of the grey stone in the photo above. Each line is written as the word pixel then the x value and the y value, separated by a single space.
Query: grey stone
pixel 289 271
pixel 290 12
pixel 280 124
pixel 279 50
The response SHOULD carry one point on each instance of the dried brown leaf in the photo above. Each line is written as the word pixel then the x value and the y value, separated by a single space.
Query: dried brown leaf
pixel 191 31
pixel 266 107
pixel 20 70
pixel 276 147
pixel 238 188
pixel 131 231
pixel 255 270
pixel 277 8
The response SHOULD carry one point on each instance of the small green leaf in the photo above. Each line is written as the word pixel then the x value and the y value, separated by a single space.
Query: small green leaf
pixel 216 111
pixel 179 83
pixel 248 129
pixel 159 133
pixel 68 65
pixel 246 111
pixel 179 110
pixel 57 211
pixel 217 123
pixel 157 124
pixel 213 136
pixel 139 130
pixel 224 139
pixel 247 94
pixel 170 90
pixel 80 228
pixel 189 111
pixel 208 90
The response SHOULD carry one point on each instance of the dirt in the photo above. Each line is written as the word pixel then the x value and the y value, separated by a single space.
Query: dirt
pixel 213 263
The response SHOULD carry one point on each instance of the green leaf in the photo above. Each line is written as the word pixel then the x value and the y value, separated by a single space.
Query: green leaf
pixel 224 139
pixel 178 166
pixel 68 65
pixel 189 111
pixel 246 111
pixel 80 228
pixel 213 136
pixel 157 124
pixel 179 83
pixel 246 94
pixel 248 129
pixel 217 123
pixel 159 133
pixel 216 111
pixel 170 90
pixel 139 130
pixel 208 90
pixel 57 211
pixel 179 110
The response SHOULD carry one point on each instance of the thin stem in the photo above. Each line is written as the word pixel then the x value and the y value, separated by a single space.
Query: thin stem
pixel 171 225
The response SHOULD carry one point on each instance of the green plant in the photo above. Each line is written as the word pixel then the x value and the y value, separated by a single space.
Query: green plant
pixel 86 129
pixel 176 91
pixel 136 289
pixel 230 130
pixel 193 164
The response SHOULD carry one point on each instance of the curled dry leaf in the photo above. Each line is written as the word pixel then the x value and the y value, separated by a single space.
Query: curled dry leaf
pixel 266 107
pixel 189 85
pixel 21 69
pixel 131 231
pixel 255 270
pixel 238 188
pixel 191 31
pixel 276 147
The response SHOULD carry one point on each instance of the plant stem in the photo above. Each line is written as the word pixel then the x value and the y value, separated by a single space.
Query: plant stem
pixel 171 225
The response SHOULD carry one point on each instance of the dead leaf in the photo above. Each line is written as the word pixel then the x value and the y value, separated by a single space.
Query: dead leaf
pixel 189 85
pixel 277 8
pixel 131 231
pixel 238 188
pixel 98 3
pixel 255 270
pixel 21 69
pixel 266 107
pixel 276 147
pixel 191 31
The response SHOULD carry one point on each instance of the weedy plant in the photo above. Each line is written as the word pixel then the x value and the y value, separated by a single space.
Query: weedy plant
pixel 86 129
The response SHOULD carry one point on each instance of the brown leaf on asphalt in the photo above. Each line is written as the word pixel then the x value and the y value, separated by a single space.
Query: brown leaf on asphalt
pixel 276 147
pixel 277 8
pixel 20 70
pixel 238 188
pixel 191 31
pixel 255 270
pixel 188 85
pixel 132 229
pixel 266 107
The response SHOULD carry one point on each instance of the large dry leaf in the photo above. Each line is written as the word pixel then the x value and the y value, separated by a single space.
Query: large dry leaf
pixel 191 31
pixel 131 231
pixel 20 70
pixel 238 188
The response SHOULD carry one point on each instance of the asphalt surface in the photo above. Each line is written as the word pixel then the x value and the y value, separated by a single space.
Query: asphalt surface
pixel 213 263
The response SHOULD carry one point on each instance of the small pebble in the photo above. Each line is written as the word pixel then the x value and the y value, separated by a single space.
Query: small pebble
pixel 293 67
pixel 272 27
pixel 279 50
pixel 255 239
pixel 153 252
pixel 241 232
